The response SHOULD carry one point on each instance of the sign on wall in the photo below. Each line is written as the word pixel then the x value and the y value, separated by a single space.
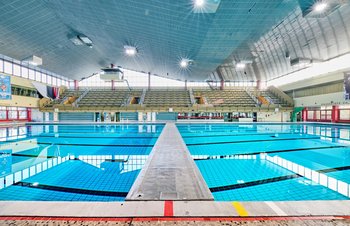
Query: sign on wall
pixel 5 87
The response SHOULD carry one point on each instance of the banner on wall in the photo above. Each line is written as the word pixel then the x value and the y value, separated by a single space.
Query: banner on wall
pixel 5 87
pixel 347 86
pixel 46 91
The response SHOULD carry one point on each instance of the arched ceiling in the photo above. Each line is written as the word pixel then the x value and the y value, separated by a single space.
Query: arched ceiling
pixel 164 31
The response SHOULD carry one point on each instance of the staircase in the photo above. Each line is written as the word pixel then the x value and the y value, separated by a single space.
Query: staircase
pixel 142 99
pixel 191 96
pixel 75 103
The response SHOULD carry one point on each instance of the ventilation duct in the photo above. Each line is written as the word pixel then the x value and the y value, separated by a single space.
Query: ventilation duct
pixel 112 73
pixel 301 62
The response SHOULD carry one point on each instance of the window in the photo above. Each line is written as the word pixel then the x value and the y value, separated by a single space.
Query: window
pixel 43 78
pixel 24 72
pixel 135 79
pixel 1 65
pixel 38 76
pixel 13 113
pixel 22 113
pixel 2 113
pixel 8 67
pixel 31 74
pixel 49 79
pixel 16 70
pixel 54 81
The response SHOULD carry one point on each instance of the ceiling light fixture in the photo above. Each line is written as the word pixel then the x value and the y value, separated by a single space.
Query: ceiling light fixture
pixel 184 63
pixel 86 40
pixel 205 6
pixel 199 3
pixel 76 41
pixel 240 65
pixel 130 50
pixel 320 7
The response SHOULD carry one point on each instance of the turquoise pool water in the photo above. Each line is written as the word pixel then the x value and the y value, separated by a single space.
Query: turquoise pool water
pixel 276 162
pixel 73 162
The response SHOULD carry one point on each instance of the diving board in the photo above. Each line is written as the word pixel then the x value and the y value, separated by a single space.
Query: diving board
pixel 169 172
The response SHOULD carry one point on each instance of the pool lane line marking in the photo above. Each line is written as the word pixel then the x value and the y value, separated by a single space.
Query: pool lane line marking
pixel 250 141
pixel 103 145
pixel 50 157
pixel 236 135
pixel 275 208
pixel 254 183
pixel 341 168
pixel 272 180
pixel 71 190
pixel 63 136
pixel 268 152
pixel 34 156
pixel 168 208
pixel 242 212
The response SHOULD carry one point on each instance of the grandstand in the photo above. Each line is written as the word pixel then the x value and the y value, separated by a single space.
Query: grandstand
pixel 233 97
pixel 167 98
pixel 161 100
pixel 103 98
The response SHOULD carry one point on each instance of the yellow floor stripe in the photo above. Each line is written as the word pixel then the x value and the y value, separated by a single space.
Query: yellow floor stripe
pixel 242 212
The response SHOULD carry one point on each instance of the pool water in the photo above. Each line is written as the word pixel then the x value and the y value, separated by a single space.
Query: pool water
pixel 239 162
pixel 271 162
pixel 73 162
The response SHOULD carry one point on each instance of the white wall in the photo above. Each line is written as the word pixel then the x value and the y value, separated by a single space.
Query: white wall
pixel 317 100
pixel 273 116
pixel 324 99
pixel 313 81
pixel 37 116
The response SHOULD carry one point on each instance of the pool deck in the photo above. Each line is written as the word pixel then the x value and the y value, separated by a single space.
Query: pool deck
pixel 177 209
pixel 169 172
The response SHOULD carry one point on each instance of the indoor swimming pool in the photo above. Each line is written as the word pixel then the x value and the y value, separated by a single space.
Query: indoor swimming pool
pixel 73 162
pixel 239 162
pixel 271 162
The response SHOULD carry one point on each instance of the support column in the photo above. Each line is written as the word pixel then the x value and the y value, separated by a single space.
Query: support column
pixel 304 114
pixel 149 80
pixel 222 85
pixel 55 116
pixel 185 84
pixel 335 113
pixel 112 82
pixel 258 85
pixel 29 114
pixel 76 85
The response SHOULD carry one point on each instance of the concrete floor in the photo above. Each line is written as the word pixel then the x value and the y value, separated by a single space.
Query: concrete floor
pixel 337 222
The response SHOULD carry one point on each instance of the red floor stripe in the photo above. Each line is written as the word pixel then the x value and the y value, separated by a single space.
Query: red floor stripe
pixel 168 209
